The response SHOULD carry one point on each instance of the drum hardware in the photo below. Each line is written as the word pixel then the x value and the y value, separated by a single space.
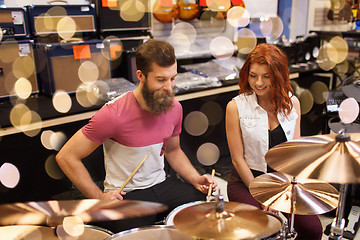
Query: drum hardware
pixel 332 158
pixel 52 213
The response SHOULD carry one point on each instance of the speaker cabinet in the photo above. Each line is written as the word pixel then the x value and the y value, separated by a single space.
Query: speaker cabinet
pixel 65 66
pixel 17 68
pixel 14 23
pixel 115 16
pixel 45 19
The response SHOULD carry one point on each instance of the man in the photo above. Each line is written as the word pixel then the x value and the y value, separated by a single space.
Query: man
pixel 147 119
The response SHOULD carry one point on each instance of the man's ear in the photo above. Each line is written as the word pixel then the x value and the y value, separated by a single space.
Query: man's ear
pixel 140 76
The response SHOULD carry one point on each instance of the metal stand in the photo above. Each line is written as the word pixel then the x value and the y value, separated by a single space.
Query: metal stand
pixel 338 224
pixel 291 233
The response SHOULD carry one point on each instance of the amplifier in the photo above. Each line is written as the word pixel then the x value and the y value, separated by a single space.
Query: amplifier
pixel 51 19
pixel 123 15
pixel 17 66
pixel 66 66
pixel 14 23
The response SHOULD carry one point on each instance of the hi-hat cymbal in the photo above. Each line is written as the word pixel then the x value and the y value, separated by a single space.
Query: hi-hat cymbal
pixel 53 212
pixel 235 221
pixel 281 192
pixel 329 157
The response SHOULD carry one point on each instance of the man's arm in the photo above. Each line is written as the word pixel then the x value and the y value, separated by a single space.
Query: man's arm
pixel 70 158
pixel 182 165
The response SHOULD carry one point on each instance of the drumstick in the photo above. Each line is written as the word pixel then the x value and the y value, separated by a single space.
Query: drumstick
pixel 210 186
pixel 132 174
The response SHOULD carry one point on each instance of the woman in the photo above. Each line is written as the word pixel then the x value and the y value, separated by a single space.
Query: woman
pixel 264 114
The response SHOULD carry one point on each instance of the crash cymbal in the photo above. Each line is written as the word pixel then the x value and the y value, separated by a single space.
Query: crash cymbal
pixel 329 157
pixel 282 192
pixel 233 221
pixel 53 212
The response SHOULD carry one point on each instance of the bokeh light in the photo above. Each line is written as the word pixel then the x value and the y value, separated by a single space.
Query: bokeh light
pixel 34 127
pixel 45 139
pixel 319 91
pixel 272 28
pixel 61 101
pixel 185 29
pixel 20 115
pixel 208 154
pixel 113 48
pixel 57 140
pixel 132 10
pixel 238 17
pixel 180 42
pixel 348 110
pixel 221 47
pixel 213 112
pixel 9 51
pixel 245 40
pixel 88 72
pixel 323 60
pixel 9 175
pixel 196 123
pixel 341 68
pixel 66 27
pixel 23 88
pixel 73 225
pixel 337 49
pixel 23 66
pixel 211 23
pixel 53 169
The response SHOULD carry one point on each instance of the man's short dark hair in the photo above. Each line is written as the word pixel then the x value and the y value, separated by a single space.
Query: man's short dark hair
pixel 158 51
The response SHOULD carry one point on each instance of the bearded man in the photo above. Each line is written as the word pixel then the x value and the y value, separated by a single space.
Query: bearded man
pixel 147 119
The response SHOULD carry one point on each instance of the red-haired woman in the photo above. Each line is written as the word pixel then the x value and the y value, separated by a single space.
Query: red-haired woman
pixel 264 114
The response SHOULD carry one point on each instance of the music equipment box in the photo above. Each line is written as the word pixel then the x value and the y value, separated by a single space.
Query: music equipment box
pixel 17 65
pixel 46 19
pixel 66 66
pixel 14 23
pixel 129 16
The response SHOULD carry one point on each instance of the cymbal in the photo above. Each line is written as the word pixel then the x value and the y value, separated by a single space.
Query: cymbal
pixel 236 221
pixel 329 157
pixel 281 192
pixel 53 212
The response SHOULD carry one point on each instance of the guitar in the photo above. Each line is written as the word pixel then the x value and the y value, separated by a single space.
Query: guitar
pixel 340 10
pixel 166 11
pixel 189 9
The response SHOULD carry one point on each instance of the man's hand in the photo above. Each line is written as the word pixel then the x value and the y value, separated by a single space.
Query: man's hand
pixel 112 195
pixel 203 182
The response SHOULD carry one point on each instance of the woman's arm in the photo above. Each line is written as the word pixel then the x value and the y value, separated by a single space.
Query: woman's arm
pixel 235 142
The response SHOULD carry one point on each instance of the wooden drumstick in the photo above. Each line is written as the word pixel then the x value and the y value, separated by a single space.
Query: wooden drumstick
pixel 210 186
pixel 132 174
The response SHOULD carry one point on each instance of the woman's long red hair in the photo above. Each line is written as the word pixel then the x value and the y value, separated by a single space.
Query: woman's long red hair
pixel 278 72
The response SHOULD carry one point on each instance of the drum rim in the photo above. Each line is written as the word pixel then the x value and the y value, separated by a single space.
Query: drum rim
pixel 178 209
pixel 99 228
pixel 122 233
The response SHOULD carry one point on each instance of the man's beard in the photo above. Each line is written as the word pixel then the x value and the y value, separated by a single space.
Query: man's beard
pixel 158 101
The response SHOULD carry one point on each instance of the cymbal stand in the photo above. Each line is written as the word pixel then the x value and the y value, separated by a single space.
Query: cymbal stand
pixel 338 224
pixel 291 234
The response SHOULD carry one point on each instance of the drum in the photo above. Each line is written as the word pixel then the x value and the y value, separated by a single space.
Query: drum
pixel 90 233
pixel 156 232
pixel 275 228
pixel 170 217
pixel 29 232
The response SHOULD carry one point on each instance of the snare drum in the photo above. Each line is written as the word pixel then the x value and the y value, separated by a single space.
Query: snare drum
pixel 275 229
pixel 170 217
pixel 156 232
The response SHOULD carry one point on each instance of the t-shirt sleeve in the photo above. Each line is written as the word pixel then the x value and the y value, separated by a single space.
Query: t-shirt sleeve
pixel 101 126
pixel 177 129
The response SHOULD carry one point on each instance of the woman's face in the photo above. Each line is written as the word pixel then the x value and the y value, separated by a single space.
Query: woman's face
pixel 259 79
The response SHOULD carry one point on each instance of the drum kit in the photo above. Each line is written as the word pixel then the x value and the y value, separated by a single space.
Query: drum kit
pixel 305 168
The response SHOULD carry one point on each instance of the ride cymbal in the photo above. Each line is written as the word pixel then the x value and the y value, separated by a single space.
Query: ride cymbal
pixel 233 221
pixel 329 157
pixel 53 212
pixel 283 193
